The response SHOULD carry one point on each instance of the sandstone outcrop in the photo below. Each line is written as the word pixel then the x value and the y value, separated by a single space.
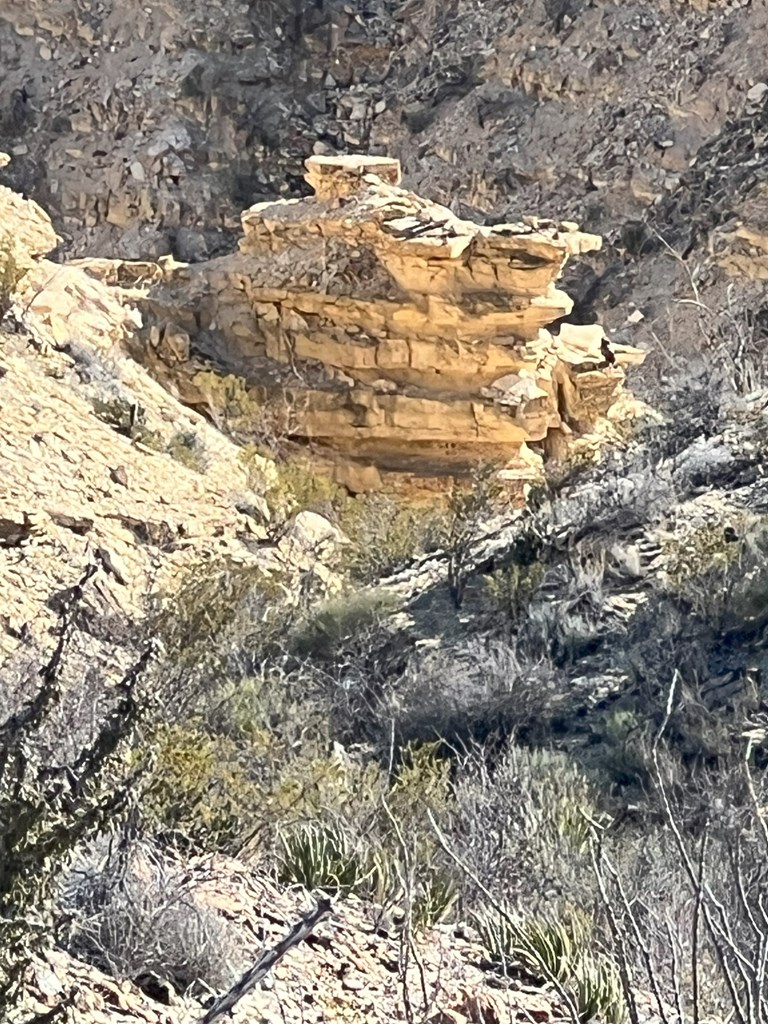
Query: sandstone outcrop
pixel 410 343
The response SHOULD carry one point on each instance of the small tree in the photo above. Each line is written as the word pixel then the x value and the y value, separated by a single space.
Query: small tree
pixel 49 805
pixel 468 508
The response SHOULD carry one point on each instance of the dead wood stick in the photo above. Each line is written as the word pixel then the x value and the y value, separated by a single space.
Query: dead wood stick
pixel 268 959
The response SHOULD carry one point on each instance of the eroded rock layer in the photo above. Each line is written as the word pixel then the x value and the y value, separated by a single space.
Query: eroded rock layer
pixel 411 343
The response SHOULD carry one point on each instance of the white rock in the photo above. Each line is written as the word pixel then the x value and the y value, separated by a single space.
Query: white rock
pixel 313 532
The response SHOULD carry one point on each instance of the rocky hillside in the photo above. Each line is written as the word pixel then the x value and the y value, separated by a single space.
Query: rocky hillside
pixel 524 748
pixel 353 965
pixel 145 130
pixel 100 462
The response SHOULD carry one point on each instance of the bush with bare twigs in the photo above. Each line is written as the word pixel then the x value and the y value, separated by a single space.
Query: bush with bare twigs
pixel 132 910
pixel 53 796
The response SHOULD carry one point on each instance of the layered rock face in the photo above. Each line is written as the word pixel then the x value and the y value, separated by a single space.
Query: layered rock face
pixel 145 128
pixel 410 343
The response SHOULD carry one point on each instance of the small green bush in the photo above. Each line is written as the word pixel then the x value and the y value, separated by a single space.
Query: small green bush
pixel 218 608
pixel 185 448
pixel 200 788
pixel 387 535
pixel 511 588
pixel 260 423
pixel 341 621
pixel 128 418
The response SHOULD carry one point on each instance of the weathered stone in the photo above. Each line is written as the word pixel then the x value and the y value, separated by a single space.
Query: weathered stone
pixel 417 342
pixel 92 448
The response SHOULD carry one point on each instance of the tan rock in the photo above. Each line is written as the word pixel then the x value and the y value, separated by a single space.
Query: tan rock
pixel 401 333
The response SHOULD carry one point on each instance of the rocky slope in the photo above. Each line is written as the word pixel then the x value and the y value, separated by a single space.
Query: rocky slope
pixel 99 461
pixel 147 128
pixel 353 965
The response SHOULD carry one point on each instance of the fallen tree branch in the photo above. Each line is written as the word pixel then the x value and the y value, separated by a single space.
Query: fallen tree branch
pixel 268 959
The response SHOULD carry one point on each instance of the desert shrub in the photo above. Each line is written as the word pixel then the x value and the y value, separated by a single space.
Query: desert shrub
pixel 200 788
pixel 556 950
pixel 185 447
pixel 421 783
pixel 236 796
pixel 294 487
pixel 272 740
pixel 260 423
pixel 129 418
pixel 698 564
pixel 11 272
pixel 133 912
pixel 350 620
pixel 359 832
pixel 220 617
pixel 469 506
pixel 625 752
pixel 473 690
pixel 510 589
pixel 523 823
pixel 274 706
pixel 388 534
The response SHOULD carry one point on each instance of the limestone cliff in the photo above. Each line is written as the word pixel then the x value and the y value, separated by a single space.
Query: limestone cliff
pixel 410 343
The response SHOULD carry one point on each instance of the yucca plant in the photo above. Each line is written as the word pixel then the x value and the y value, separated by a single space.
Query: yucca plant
pixel 597 990
pixel 322 858
pixel 536 945
pixel 385 881
pixel 436 896
pixel 556 950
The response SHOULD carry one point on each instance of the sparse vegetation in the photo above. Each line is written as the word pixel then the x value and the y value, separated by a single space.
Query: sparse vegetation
pixel 134 913
pixel 385 534
pixel 469 507
pixel 11 272
pixel 185 447
pixel 556 951
pixel 56 795
pixel 507 752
